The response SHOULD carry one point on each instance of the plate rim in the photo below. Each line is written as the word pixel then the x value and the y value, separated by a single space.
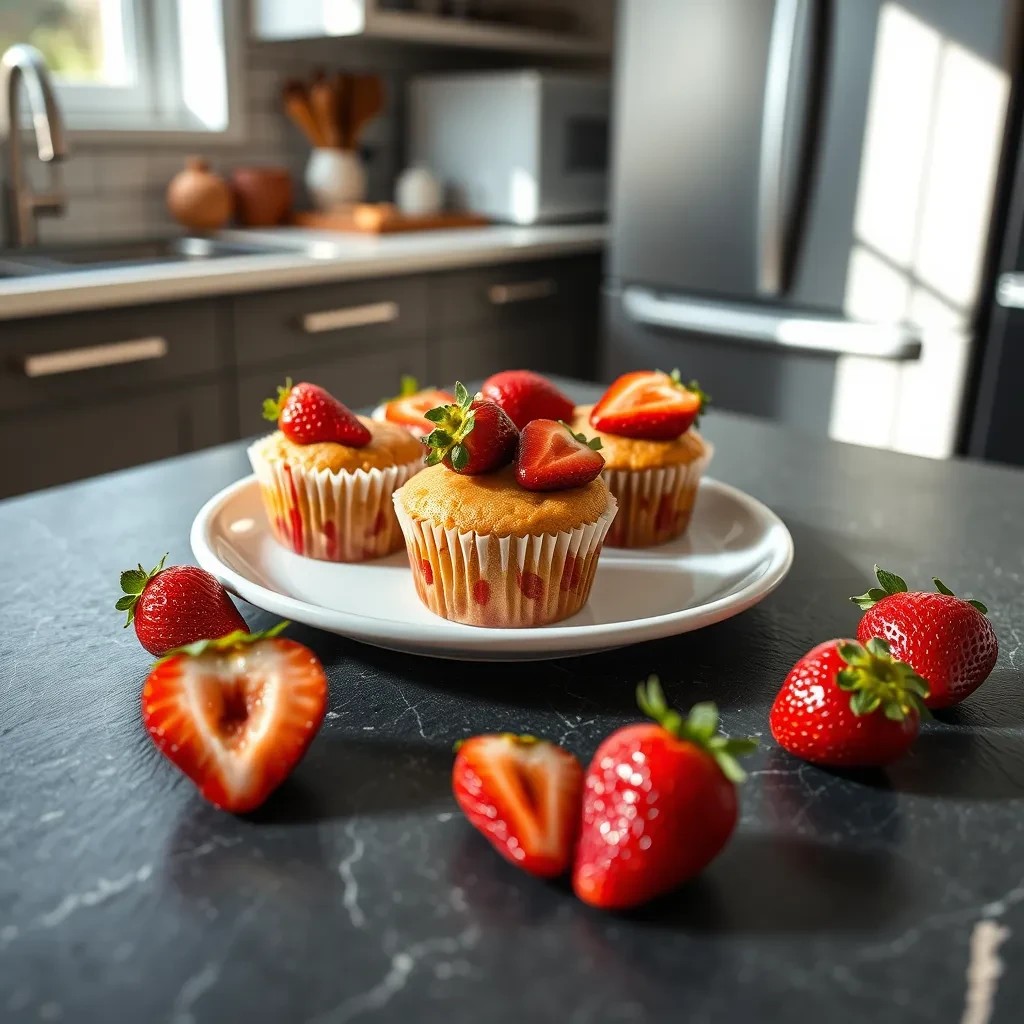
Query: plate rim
pixel 578 639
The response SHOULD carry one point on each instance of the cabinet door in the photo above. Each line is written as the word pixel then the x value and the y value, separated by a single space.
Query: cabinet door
pixel 360 381
pixel 49 447
pixel 548 346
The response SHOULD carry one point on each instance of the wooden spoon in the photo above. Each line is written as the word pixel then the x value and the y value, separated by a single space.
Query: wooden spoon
pixel 323 99
pixel 367 102
pixel 297 106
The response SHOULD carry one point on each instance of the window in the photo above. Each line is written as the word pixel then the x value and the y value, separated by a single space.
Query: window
pixel 130 64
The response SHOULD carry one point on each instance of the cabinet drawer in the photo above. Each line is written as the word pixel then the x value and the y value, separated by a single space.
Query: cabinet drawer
pixel 507 294
pixel 278 326
pixel 359 380
pixel 39 449
pixel 53 360
pixel 547 346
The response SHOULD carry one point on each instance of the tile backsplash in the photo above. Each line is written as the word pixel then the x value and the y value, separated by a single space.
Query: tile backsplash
pixel 117 191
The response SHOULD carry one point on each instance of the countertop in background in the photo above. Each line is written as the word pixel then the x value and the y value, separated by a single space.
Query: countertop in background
pixel 359 894
pixel 319 257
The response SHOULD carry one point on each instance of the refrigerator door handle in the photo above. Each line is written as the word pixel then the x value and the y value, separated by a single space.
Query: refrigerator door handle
pixel 771 200
pixel 781 329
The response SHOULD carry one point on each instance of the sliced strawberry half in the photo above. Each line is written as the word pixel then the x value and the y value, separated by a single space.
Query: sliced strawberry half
pixel 410 407
pixel 523 794
pixel 650 405
pixel 552 458
pixel 236 714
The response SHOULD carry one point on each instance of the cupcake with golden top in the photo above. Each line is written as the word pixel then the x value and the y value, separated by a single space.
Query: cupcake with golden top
pixel 327 476
pixel 654 457
pixel 504 529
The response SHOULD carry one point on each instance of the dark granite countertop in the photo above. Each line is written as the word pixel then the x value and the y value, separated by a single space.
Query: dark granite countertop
pixel 358 893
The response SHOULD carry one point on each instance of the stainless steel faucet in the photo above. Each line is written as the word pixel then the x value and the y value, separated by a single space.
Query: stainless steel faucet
pixel 25 65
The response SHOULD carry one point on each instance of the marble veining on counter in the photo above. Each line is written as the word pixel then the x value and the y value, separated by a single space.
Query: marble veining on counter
pixel 359 894
pixel 319 257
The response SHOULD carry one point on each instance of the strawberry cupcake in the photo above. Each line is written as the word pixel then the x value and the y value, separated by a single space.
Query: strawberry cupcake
pixel 654 457
pixel 327 476
pixel 409 407
pixel 504 529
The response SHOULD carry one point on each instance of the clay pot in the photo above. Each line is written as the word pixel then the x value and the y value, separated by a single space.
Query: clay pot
pixel 198 198
pixel 263 196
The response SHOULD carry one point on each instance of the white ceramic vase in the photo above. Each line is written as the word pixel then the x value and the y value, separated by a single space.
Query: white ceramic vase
pixel 335 178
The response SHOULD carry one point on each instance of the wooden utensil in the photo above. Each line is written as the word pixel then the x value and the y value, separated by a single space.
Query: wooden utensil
pixel 323 101
pixel 342 86
pixel 366 103
pixel 297 106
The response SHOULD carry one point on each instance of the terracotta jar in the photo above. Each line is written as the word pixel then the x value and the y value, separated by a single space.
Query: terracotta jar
pixel 198 198
pixel 263 196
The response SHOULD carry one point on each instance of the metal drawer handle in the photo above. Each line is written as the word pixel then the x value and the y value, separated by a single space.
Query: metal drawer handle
pixel 74 360
pixel 350 316
pixel 521 291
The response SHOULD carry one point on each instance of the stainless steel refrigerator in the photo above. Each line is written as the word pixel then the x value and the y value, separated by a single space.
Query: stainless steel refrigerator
pixel 802 197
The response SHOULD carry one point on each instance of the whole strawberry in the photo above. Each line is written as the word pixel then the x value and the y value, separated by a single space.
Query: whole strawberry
pixel 527 396
pixel 470 436
pixel 948 641
pixel 848 705
pixel 659 803
pixel 307 414
pixel 176 606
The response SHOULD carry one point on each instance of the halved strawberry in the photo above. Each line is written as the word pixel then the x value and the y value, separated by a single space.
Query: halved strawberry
pixel 649 404
pixel 470 435
pixel 236 714
pixel 523 794
pixel 307 414
pixel 409 408
pixel 527 396
pixel 552 458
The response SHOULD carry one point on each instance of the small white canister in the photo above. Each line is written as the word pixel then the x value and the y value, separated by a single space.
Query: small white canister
pixel 418 192
pixel 335 178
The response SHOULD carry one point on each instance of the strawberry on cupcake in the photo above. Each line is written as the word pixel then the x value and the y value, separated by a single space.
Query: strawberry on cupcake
pixel 327 475
pixel 409 407
pixel 504 528
pixel 654 457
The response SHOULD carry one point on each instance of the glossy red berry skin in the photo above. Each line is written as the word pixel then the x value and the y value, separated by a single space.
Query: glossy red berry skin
pixel 944 639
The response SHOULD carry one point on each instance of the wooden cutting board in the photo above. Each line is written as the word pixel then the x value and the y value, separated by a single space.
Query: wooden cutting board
pixel 384 219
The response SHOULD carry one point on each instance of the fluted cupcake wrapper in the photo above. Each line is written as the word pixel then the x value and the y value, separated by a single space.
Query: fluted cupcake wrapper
pixel 334 516
pixel 655 505
pixel 508 582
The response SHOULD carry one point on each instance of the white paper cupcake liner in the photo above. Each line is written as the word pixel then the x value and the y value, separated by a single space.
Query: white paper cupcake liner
pixel 655 505
pixel 334 516
pixel 509 582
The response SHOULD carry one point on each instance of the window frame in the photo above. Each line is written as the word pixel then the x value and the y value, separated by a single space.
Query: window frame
pixel 152 109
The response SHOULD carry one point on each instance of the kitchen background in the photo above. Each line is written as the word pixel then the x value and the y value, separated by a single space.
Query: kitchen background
pixel 117 189
pixel 816 207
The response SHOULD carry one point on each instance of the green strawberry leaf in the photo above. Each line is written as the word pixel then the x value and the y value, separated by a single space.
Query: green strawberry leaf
pixel 941 587
pixel 239 638
pixel 974 603
pixel 462 396
pixel 459 457
pixel 869 599
pixel 133 580
pixel 890 582
pixel 437 415
pixel 126 602
pixel 410 385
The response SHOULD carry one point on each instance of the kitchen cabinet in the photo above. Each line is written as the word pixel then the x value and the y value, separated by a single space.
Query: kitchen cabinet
pixel 87 393
pixel 53 446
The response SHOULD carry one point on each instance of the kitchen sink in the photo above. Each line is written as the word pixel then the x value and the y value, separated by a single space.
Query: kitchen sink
pixel 146 252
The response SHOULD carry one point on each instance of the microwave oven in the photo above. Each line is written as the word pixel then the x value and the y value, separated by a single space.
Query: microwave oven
pixel 524 147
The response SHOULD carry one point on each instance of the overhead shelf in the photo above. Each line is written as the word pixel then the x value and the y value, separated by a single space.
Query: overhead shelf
pixel 302 19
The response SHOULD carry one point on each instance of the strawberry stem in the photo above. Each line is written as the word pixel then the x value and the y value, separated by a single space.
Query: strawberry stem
pixel 133 583
pixel 875 680
pixel 239 638
pixel 272 406
pixel 700 728
pixel 889 583
pixel 452 425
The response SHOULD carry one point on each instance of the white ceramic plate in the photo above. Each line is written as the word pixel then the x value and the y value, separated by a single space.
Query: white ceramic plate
pixel 735 552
